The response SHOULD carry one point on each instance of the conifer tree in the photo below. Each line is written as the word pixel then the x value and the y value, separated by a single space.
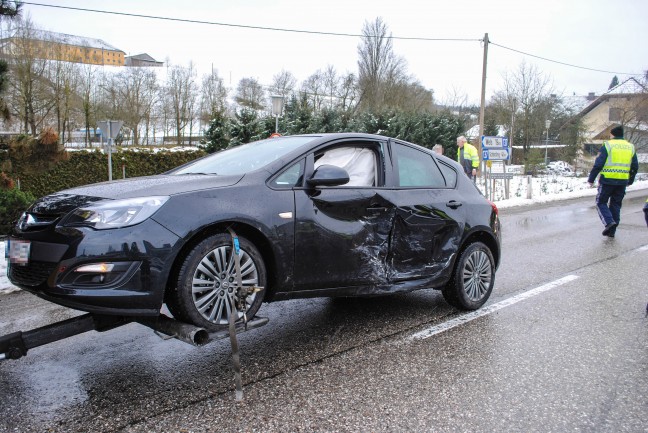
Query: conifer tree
pixel 10 8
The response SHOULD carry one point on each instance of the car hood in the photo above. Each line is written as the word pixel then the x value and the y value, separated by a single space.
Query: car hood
pixel 72 198
pixel 153 185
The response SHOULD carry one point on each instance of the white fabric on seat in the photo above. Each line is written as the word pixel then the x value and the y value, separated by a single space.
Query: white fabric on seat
pixel 359 162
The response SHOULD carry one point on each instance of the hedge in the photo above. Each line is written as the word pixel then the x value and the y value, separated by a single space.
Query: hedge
pixel 82 168
pixel 12 203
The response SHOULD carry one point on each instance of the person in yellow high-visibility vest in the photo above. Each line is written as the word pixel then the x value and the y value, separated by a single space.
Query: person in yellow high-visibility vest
pixel 646 211
pixel 467 156
pixel 617 165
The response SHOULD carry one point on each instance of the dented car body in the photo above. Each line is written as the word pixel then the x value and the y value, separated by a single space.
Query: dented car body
pixel 317 215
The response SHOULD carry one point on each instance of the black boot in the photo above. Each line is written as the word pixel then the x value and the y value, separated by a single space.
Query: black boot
pixel 609 229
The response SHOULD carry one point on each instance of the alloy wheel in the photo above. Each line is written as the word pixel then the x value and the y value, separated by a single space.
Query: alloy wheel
pixel 215 283
pixel 477 275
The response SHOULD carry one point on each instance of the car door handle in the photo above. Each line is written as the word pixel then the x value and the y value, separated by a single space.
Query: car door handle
pixel 453 204
pixel 376 209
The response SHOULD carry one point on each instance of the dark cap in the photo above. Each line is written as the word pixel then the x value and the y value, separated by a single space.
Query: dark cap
pixel 617 131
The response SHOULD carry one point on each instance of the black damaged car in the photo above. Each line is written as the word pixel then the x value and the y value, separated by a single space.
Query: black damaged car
pixel 288 217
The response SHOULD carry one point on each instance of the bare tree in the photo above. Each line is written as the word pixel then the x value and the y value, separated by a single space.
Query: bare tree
pixel 181 95
pixel 136 92
pixel 331 85
pixel 379 68
pixel 65 84
pixel 214 97
pixel 107 94
pixel 250 94
pixel 283 84
pixel 455 99
pixel 87 90
pixel 313 88
pixel 29 85
pixel 631 111
pixel 409 95
pixel 528 92
pixel 348 92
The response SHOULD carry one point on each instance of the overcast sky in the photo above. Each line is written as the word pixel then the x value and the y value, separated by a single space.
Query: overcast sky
pixel 606 35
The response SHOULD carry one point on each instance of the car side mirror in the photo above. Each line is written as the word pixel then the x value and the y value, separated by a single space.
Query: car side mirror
pixel 328 175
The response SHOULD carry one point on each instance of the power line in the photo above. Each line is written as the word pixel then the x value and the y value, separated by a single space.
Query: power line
pixel 278 29
pixel 562 63
pixel 243 26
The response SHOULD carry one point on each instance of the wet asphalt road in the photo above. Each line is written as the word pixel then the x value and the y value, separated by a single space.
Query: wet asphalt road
pixel 573 357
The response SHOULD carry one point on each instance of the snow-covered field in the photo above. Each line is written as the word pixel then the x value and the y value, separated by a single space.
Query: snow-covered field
pixel 547 188
pixel 543 189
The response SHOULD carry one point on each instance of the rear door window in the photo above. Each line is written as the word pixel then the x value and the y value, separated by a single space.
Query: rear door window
pixel 415 168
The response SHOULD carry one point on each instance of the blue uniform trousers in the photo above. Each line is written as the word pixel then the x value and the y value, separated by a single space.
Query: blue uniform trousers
pixel 608 202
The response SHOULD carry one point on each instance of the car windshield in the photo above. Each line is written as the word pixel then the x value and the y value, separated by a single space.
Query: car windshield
pixel 246 157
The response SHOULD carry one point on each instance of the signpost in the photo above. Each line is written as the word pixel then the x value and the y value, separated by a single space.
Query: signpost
pixel 501 176
pixel 497 149
pixel 111 128
pixel 494 141
pixel 495 154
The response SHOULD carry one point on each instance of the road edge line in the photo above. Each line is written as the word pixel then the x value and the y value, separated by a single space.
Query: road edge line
pixel 442 327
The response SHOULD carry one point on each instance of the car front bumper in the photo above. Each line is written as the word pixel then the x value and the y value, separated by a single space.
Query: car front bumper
pixel 120 271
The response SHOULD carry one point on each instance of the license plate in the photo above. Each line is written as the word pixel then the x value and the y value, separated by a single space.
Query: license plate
pixel 18 251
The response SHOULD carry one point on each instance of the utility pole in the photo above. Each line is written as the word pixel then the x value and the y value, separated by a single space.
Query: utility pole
pixel 481 108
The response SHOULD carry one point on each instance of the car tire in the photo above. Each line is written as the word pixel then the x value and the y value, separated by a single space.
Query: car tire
pixel 207 280
pixel 472 279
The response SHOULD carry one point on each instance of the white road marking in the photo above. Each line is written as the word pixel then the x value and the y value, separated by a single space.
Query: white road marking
pixel 644 248
pixel 437 329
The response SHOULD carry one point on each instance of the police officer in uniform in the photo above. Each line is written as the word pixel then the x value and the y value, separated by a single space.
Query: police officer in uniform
pixel 617 165
pixel 468 157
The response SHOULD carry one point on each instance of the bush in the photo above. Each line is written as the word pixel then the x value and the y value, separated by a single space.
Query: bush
pixel 13 202
pixel 5 181
pixel 83 168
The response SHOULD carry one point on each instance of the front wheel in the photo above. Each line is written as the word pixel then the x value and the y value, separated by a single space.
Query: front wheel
pixel 207 282
pixel 472 279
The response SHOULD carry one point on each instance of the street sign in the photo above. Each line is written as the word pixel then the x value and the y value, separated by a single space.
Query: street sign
pixel 501 175
pixel 494 141
pixel 496 153
pixel 110 128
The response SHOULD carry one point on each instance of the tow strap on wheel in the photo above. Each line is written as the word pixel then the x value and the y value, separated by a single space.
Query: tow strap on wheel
pixel 240 297
pixel 236 358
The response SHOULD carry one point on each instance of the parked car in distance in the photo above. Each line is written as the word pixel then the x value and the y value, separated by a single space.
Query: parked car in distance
pixel 307 216
pixel 560 168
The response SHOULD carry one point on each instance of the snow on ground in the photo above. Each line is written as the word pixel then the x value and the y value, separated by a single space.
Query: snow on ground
pixel 137 149
pixel 547 188
pixel 543 189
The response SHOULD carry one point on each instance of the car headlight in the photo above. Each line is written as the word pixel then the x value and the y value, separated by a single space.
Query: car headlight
pixel 111 214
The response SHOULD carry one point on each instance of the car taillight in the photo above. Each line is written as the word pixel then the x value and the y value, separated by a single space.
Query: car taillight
pixel 494 207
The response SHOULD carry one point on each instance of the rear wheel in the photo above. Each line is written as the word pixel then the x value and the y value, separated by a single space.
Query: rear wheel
pixel 472 279
pixel 207 282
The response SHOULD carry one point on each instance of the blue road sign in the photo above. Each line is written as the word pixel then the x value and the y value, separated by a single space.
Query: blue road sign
pixel 496 154
pixel 487 141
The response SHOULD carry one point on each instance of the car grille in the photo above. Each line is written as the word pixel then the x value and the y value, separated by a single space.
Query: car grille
pixel 32 221
pixel 34 274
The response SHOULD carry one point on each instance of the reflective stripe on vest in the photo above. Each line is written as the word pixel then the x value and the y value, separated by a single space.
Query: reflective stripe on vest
pixel 619 158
